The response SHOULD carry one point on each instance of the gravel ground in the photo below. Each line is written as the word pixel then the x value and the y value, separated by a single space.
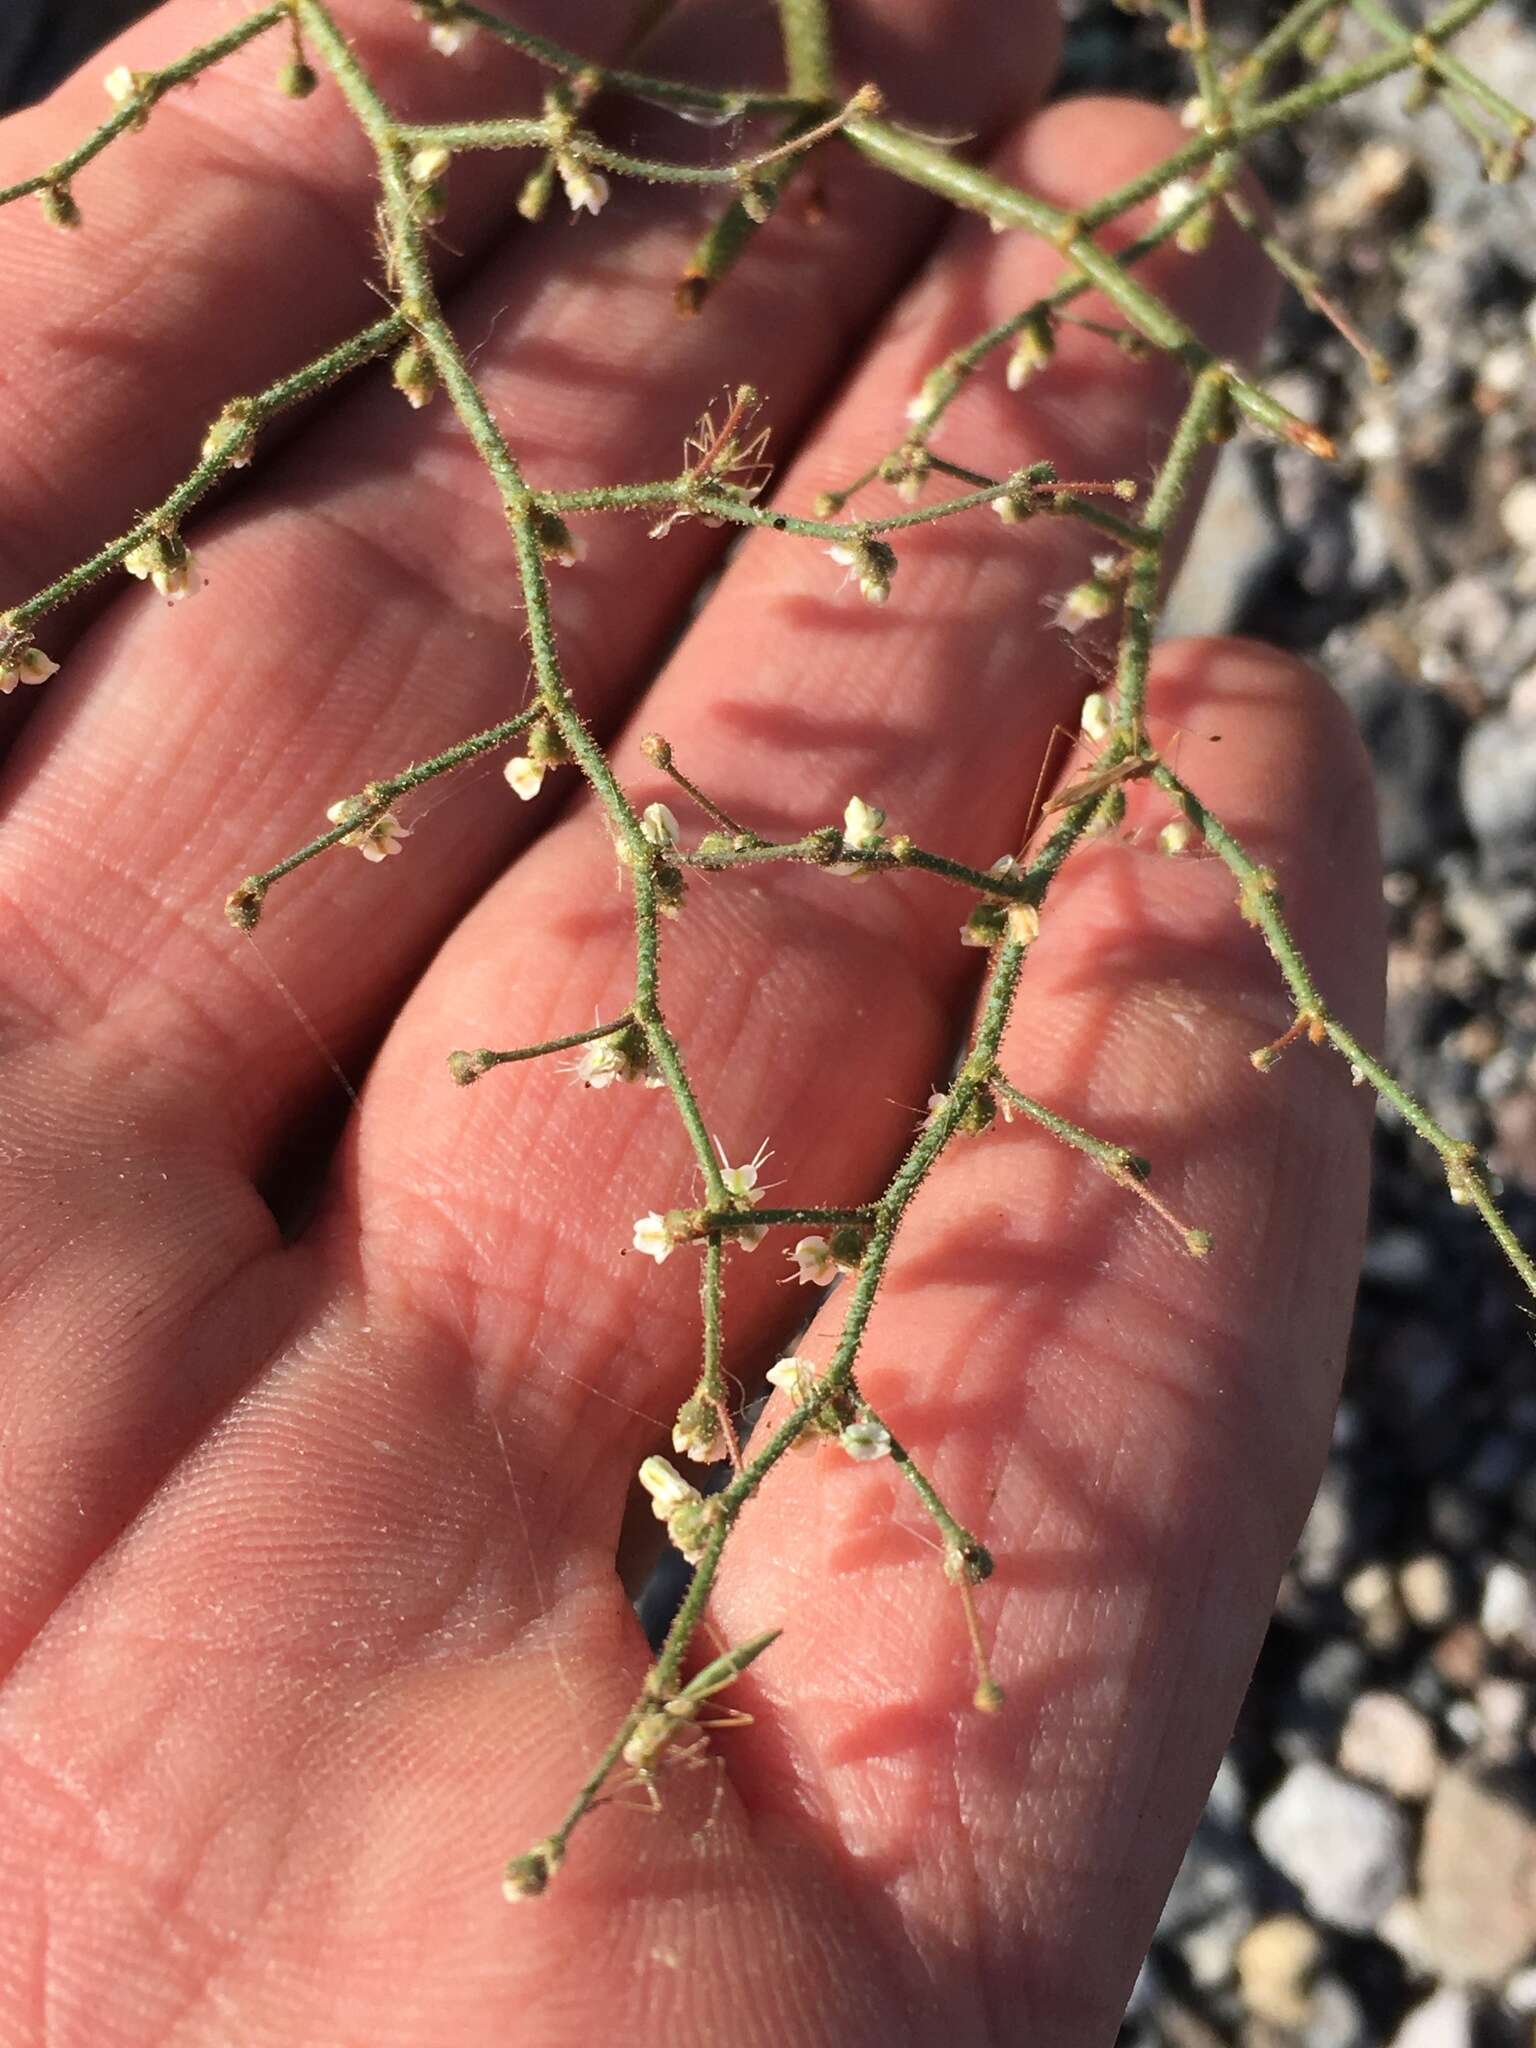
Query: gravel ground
pixel 1366 1870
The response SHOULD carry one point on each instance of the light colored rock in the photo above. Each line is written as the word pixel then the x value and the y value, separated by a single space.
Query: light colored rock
pixel 1519 1994
pixel 1517 513
pixel 1389 1743
pixel 1477 1882
pixel 1504 1706
pixel 1443 2021
pixel 1427 1589
pixel 1275 1967
pixel 1508 1612
pixel 1343 1846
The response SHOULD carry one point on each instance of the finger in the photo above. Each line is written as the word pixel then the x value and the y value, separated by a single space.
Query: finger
pixel 1134 1434
pixel 223 246
pixel 119 774
pixel 815 1014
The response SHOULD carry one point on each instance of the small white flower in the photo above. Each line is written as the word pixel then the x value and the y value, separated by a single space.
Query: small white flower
pixel 1006 866
pixel 525 776
pixel 658 825
pixel 586 190
pixel 429 163
pixel 26 665
pixel 1083 604
pixel 621 1056
pixel 741 1181
pixel 937 1104
pixel 932 395
pixel 865 1441
pixel 377 838
pixel 1034 348
pixel 861 825
pixel 1175 196
pixel 449 37
pixel 1098 721
pixel 121 85
pixel 795 1377
pixel 668 1489
pixel 814 1263
pixel 652 1237
pixel 1175 836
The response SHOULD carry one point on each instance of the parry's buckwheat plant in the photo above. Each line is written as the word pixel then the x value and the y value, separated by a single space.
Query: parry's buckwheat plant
pixel 852 543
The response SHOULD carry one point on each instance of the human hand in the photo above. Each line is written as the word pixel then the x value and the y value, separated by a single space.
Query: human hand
pixel 307 1548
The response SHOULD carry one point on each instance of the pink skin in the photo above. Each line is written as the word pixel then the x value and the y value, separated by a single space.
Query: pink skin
pixel 307 1552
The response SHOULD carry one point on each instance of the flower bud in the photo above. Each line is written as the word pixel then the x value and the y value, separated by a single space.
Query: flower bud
pixel 59 208
pixel 414 375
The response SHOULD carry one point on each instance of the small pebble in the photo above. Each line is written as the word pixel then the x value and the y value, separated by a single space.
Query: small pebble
pixel 1388 1743
pixel 1275 1967
pixel 1343 1846
pixel 1427 1589
pixel 1442 2021
pixel 1476 1882
pixel 1508 1611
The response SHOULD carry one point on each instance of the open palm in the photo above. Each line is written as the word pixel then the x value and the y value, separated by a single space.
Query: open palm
pixel 308 1599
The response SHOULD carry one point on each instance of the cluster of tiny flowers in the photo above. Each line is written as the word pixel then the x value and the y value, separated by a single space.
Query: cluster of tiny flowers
pixel 620 1056
pixel 697 1432
pixel 657 1235
pixel 376 838
pixel 167 565
pixel 864 1439
pixel 871 563
pixel 25 665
